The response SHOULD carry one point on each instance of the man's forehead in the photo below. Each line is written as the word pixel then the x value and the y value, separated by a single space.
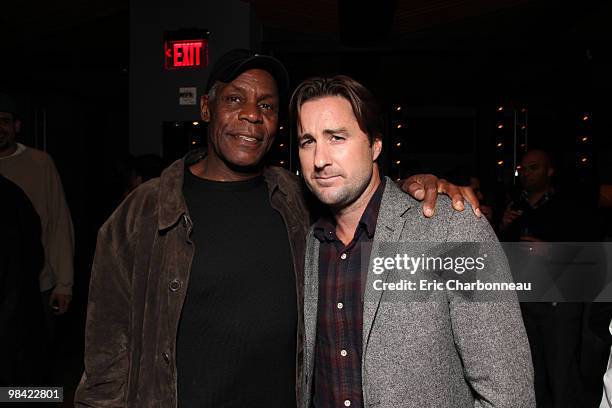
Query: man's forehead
pixel 534 158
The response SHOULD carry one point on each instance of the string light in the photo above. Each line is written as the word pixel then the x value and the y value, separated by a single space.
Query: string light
pixel 500 144
pixel 399 126
pixel 398 144
pixel 397 162
pixel 398 108
pixel 586 117
pixel 500 126
pixel 195 123
pixel 281 128
pixel 500 162
pixel 585 139
pixel 282 162
pixel 500 108
pixel 281 145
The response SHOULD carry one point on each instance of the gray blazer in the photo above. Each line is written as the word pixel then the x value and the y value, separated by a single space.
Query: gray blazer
pixel 440 350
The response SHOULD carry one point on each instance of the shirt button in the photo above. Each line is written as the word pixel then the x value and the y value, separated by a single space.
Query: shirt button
pixel 343 353
pixel 347 403
pixel 340 305
pixel 343 256
pixel 175 285
pixel 166 357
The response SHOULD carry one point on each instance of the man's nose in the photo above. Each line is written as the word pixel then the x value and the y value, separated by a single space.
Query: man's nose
pixel 250 111
pixel 322 157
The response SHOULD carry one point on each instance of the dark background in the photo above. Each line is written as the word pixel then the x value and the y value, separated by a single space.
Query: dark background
pixel 89 79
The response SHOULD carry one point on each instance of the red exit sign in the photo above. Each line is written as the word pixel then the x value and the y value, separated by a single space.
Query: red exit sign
pixel 186 53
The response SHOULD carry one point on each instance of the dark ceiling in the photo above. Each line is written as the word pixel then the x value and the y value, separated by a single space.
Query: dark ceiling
pixel 65 43
pixel 449 51
pixel 73 45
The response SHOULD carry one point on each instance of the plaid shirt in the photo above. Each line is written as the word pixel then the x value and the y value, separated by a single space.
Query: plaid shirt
pixel 524 198
pixel 338 347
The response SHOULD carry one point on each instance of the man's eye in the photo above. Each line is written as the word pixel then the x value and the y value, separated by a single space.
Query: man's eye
pixel 233 99
pixel 337 138
pixel 306 142
pixel 266 106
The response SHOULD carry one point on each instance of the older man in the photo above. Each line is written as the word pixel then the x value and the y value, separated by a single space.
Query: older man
pixel 196 289
pixel 365 345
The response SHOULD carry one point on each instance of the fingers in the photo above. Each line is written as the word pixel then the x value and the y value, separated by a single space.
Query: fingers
pixel 59 303
pixel 511 215
pixel 454 192
pixel 413 186
pixel 429 202
pixel 427 191
pixel 468 194
pixel 415 190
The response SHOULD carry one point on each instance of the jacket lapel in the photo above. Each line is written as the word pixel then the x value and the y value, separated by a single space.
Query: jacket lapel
pixel 389 226
pixel 311 293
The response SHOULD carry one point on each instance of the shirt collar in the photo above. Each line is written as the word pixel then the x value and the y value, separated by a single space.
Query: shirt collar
pixel 543 200
pixel 171 202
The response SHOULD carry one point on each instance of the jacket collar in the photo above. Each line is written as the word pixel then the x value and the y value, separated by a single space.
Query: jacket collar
pixel 171 201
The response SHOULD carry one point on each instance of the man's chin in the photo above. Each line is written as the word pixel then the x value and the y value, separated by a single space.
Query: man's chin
pixel 331 199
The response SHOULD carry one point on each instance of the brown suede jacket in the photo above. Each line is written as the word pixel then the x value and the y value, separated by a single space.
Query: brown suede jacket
pixel 138 285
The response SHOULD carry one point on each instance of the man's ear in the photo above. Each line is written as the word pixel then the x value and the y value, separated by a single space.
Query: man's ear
pixel 205 108
pixel 17 124
pixel 376 147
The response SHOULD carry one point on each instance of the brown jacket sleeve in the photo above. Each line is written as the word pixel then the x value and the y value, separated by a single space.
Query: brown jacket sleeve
pixel 107 331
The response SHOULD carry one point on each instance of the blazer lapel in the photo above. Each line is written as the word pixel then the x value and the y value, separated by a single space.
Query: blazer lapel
pixel 311 293
pixel 389 226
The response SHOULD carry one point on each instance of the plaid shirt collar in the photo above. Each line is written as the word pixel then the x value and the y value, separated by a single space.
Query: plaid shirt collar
pixel 325 227
pixel 543 200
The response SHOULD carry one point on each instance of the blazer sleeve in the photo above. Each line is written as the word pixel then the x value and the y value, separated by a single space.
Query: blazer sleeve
pixel 489 334
pixel 107 330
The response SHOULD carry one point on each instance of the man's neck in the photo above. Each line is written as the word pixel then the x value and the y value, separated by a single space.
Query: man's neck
pixel 7 151
pixel 210 169
pixel 347 218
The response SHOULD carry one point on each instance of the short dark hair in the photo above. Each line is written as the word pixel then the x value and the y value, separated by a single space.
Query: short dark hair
pixel 364 104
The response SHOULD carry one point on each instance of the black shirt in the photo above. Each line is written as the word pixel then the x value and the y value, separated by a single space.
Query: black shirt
pixel 236 344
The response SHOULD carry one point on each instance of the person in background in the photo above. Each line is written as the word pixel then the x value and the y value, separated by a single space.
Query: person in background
pixel 541 213
pixel 22 349
pixel 35 173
